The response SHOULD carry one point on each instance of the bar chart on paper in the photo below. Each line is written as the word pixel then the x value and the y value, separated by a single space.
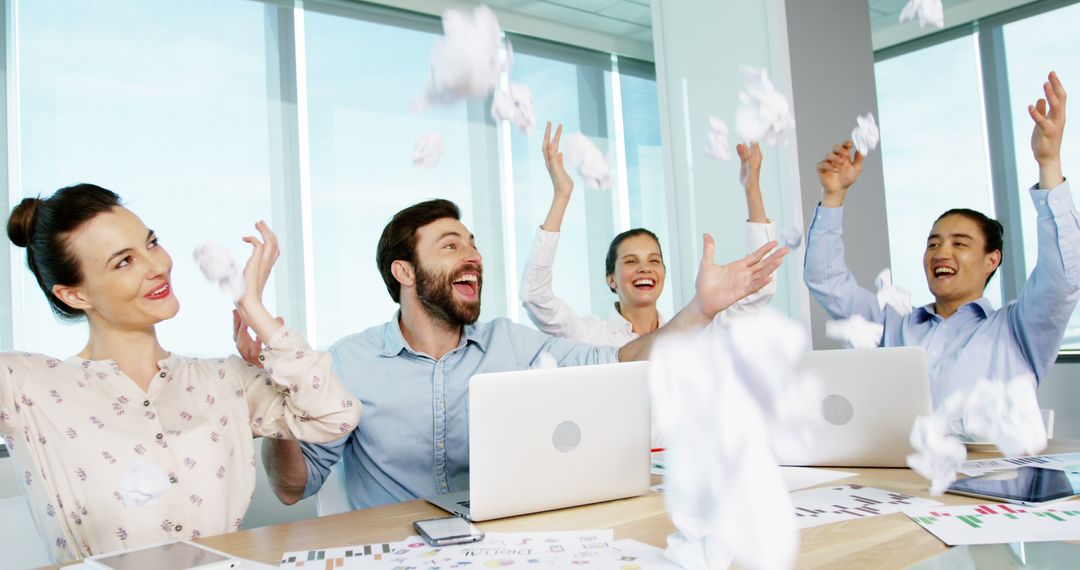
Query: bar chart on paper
pixel 815 507
pixel 998 523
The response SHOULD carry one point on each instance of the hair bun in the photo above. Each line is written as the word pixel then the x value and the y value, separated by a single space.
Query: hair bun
pixel 20 227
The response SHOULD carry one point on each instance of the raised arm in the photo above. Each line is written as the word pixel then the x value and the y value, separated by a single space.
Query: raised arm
pixel 759 229
pixel 294 394
pixel 717 287
pixel 547 311
pixel 824 271
pixel 1042 311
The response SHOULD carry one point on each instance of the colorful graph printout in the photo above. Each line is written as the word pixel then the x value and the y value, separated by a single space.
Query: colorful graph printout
pixel 999 523
pixel 585 549
pixel 1059 462
pixel 815 507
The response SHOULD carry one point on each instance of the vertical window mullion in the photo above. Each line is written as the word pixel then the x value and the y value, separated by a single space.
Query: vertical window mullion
pixel 1001 155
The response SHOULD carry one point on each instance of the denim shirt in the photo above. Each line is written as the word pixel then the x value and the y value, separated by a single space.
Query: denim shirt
pixel 977 342
pixel 413 440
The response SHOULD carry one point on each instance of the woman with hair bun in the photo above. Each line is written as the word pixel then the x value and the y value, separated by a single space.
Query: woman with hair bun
pixel 126 444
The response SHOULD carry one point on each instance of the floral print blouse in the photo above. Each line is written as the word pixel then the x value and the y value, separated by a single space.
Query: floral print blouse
pixel 107 466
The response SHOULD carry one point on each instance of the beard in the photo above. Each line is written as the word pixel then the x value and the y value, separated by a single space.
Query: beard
pixel 436 292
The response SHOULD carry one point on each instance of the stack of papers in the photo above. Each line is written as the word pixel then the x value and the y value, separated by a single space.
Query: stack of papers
pixel 583 549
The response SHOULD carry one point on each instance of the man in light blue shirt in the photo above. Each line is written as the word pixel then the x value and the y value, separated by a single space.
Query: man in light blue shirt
pixel 412 373
pixel 964 337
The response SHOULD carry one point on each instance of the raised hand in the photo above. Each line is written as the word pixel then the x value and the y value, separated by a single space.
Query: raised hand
pixel 553 159
pixel 838 172
pixel 1049 117
pixel 720 286
pixel 250 308
pixel 749 165
pixel 750 159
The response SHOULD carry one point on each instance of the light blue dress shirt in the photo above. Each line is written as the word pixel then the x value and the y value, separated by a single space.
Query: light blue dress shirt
pixel 413 438
pixel 977 342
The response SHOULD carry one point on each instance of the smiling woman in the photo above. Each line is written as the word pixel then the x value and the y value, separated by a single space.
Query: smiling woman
pixel 127 444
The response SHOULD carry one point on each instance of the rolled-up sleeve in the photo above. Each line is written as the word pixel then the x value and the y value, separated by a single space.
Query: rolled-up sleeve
pixel 320 460
pixel 296 394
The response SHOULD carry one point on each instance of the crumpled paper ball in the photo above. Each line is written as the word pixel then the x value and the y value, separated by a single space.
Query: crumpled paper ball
pixel 717 145
pixel 725 397
pixel 856 332
pixel 144 483
pixel 514 104
pixel 764 114
pixel 931 13
pixel 581 154
pixel 428 150
pixel 219 266
pixel 865 135
pixel 468 60
pixel 1003 413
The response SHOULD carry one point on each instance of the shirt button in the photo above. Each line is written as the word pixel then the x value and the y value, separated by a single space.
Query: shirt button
pixel 1042 202
pixel 262 358
pixel 146 402
pixel 442 405
pixel 178 528
pixel 162 374
pixel 160 435
pixel 443 485
pixel 441 445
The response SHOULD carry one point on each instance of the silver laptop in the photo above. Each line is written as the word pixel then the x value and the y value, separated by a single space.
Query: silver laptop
pixel 871 399
pixel 553 438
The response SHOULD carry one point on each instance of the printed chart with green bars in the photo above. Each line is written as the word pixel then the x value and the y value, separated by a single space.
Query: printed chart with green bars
pixel 999 523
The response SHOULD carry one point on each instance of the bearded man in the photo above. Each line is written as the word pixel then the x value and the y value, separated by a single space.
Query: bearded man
pixel 412 373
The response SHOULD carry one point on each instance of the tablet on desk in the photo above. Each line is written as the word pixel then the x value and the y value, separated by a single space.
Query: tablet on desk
pixel 171 556
pixel 1030 486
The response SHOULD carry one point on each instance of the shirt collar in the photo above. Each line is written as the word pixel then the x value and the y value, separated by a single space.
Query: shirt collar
pixel 980 306
pixel 615 318
pixel 394 341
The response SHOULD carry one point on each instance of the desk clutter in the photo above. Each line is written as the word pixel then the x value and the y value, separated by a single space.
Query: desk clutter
pixel 584 549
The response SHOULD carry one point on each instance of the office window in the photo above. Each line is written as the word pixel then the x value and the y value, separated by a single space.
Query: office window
pixel 1033 47
pixel 933 149
pixel 164 103
pixel 362 78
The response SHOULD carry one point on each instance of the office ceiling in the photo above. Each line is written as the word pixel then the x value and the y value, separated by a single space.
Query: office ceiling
pixel 632 19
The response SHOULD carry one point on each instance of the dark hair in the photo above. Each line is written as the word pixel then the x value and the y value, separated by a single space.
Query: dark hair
pixel 398 240
pixel 43 226
pixel 992 230
pixel 613 249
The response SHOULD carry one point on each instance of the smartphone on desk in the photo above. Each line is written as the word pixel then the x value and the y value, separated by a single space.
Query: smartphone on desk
pixel 447 531
pixel 1031 486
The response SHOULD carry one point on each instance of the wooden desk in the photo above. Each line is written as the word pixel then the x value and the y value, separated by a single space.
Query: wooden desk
pixel 884 541
pixel 889 541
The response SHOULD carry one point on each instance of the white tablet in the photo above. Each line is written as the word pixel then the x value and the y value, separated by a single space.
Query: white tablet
pixel 171 556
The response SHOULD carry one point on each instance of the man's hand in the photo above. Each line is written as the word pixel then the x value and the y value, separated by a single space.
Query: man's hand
pixel 720 286
pixel 838 172
pixel 1049 117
